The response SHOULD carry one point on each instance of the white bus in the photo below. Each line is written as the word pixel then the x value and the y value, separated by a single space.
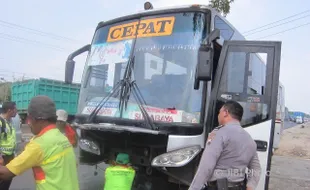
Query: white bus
pixel 153 84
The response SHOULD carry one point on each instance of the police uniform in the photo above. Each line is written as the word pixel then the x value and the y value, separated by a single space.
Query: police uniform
pixel 228 152
pixel 7 147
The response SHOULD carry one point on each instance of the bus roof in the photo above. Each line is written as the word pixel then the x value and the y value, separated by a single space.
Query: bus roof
pixel 163 10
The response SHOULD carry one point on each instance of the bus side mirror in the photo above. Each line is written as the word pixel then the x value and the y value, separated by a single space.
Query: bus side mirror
pixel 204 67
pixel 70 63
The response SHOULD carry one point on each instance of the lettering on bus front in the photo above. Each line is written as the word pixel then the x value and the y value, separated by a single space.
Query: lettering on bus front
pixel 146 28
pixel 155 117
pixel 102 111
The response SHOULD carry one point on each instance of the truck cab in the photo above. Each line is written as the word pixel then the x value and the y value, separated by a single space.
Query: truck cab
pixel 299 119
pixel 153 84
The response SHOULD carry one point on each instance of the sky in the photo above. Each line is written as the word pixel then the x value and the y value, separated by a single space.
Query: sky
pixel 60 27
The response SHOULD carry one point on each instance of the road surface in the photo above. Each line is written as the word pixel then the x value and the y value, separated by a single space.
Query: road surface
pixel 289 124
pixel 296 176
pixel 289 173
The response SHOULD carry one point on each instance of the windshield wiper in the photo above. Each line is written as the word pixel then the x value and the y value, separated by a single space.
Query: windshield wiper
pixel 126 87
pixel 95 112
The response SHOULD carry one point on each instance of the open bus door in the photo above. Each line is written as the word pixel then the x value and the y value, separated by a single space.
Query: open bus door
pixel 242 76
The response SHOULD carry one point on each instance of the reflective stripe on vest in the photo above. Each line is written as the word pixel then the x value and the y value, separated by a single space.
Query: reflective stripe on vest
pixel 119 177
pixel 7 145
pixel 58 169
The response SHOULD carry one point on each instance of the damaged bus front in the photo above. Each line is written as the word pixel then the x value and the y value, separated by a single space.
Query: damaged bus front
pixel 137 94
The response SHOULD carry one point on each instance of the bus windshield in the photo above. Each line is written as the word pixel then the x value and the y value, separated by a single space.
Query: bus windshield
pixel 165 49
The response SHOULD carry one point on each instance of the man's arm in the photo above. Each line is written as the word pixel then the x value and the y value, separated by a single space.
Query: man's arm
pixel 76 139
pixel 30 157
pixel 208 162
pixel 5 174
pixel 75 135
pixel 254 173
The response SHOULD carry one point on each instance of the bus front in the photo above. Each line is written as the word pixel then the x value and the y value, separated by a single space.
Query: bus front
pixel 153 55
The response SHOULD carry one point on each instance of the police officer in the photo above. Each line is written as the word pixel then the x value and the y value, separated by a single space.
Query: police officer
pixel 228 152
pixel 7 138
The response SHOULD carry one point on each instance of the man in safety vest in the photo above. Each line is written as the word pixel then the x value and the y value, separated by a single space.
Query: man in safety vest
pixel 7 138
pixel 49 153
pixel 65 128
pixel 119 176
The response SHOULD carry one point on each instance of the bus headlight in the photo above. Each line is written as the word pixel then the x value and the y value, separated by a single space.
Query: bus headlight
pixel 176 158
pixel 89 146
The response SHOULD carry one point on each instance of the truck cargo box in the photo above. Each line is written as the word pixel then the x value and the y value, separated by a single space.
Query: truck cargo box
pixel 64 95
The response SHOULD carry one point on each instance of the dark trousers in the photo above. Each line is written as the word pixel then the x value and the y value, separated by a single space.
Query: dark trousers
pixel 5 184
pixel 241 187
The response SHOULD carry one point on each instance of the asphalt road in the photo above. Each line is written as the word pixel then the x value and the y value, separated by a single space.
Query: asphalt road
pixel 289 173
pixel 289 124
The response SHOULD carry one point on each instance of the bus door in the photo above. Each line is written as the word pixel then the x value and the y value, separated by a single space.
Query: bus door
pixel 248 72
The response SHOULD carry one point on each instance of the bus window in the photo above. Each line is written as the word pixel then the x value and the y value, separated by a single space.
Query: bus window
pixel 226 31
pixel 244 77
pixel 153 65
pixel 233 79
pixel 256 77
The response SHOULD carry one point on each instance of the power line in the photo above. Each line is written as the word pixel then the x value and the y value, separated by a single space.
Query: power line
pixel 10 39
pixel 284 31
pixel 276 25
pixel 15 73
pixel 277 21
pixel 25 41
pixel 39 32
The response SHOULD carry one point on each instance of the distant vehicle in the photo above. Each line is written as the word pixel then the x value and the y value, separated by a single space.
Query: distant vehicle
pixel 299 120
pixel 64 95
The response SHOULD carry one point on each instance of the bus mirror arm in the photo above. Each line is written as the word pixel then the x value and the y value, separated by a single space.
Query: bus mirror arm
pixel 213 36
pixel 205 59
pixel 70 63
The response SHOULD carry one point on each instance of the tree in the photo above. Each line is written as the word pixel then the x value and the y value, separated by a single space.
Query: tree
pixel 222 6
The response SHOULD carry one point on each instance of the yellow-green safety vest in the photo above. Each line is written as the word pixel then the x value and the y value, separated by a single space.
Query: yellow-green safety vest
pixel 58 169
pixel 119 178
pixel 8 142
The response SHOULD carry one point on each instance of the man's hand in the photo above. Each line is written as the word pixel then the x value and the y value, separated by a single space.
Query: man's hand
pixel 5 173
pixel 249 188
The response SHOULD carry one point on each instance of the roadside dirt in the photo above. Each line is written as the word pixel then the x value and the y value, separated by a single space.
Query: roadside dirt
pixel 295 142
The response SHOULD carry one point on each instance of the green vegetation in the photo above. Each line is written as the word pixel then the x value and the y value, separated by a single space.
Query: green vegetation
pixel 222 6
